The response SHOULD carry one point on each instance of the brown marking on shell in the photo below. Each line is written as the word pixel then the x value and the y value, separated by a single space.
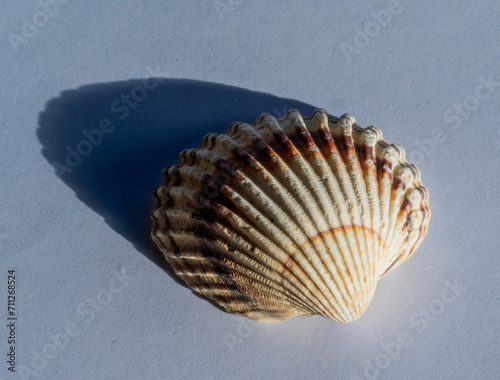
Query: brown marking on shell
pixel 352 228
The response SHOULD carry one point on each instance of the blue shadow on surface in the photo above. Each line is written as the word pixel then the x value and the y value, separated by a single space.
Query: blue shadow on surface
pixel 110 142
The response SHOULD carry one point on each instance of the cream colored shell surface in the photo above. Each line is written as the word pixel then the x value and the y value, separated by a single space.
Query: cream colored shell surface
pixel 291 216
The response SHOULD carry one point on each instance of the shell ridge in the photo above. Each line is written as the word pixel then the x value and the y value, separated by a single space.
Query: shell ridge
pixel 338 194
pixel 329 242
pixel 236 287
pixel 399 190
pixel 297 244
pixel 190 169
pixel 349 246
pixel 295 276
pixel 224 240
pixel 367 159
pixel 306 176
pixel 333 163
pixel 293 178
pixel 421 230
pixel 356 175
pixel 271 288
pixel 352 183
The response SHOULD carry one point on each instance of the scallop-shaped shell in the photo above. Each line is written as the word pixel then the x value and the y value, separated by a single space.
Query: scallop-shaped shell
pixel 291 216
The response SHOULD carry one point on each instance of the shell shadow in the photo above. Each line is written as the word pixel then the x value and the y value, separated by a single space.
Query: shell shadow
pixel 110 142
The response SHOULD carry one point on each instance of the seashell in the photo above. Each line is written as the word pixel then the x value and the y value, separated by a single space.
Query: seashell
pixel 291 216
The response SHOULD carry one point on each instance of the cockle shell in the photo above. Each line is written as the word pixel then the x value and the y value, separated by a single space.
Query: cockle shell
pixel 291 216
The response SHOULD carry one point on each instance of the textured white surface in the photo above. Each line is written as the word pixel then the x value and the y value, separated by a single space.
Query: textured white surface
pixel 418 76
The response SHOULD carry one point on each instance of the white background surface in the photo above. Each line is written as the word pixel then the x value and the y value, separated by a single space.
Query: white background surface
pixel 417 77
